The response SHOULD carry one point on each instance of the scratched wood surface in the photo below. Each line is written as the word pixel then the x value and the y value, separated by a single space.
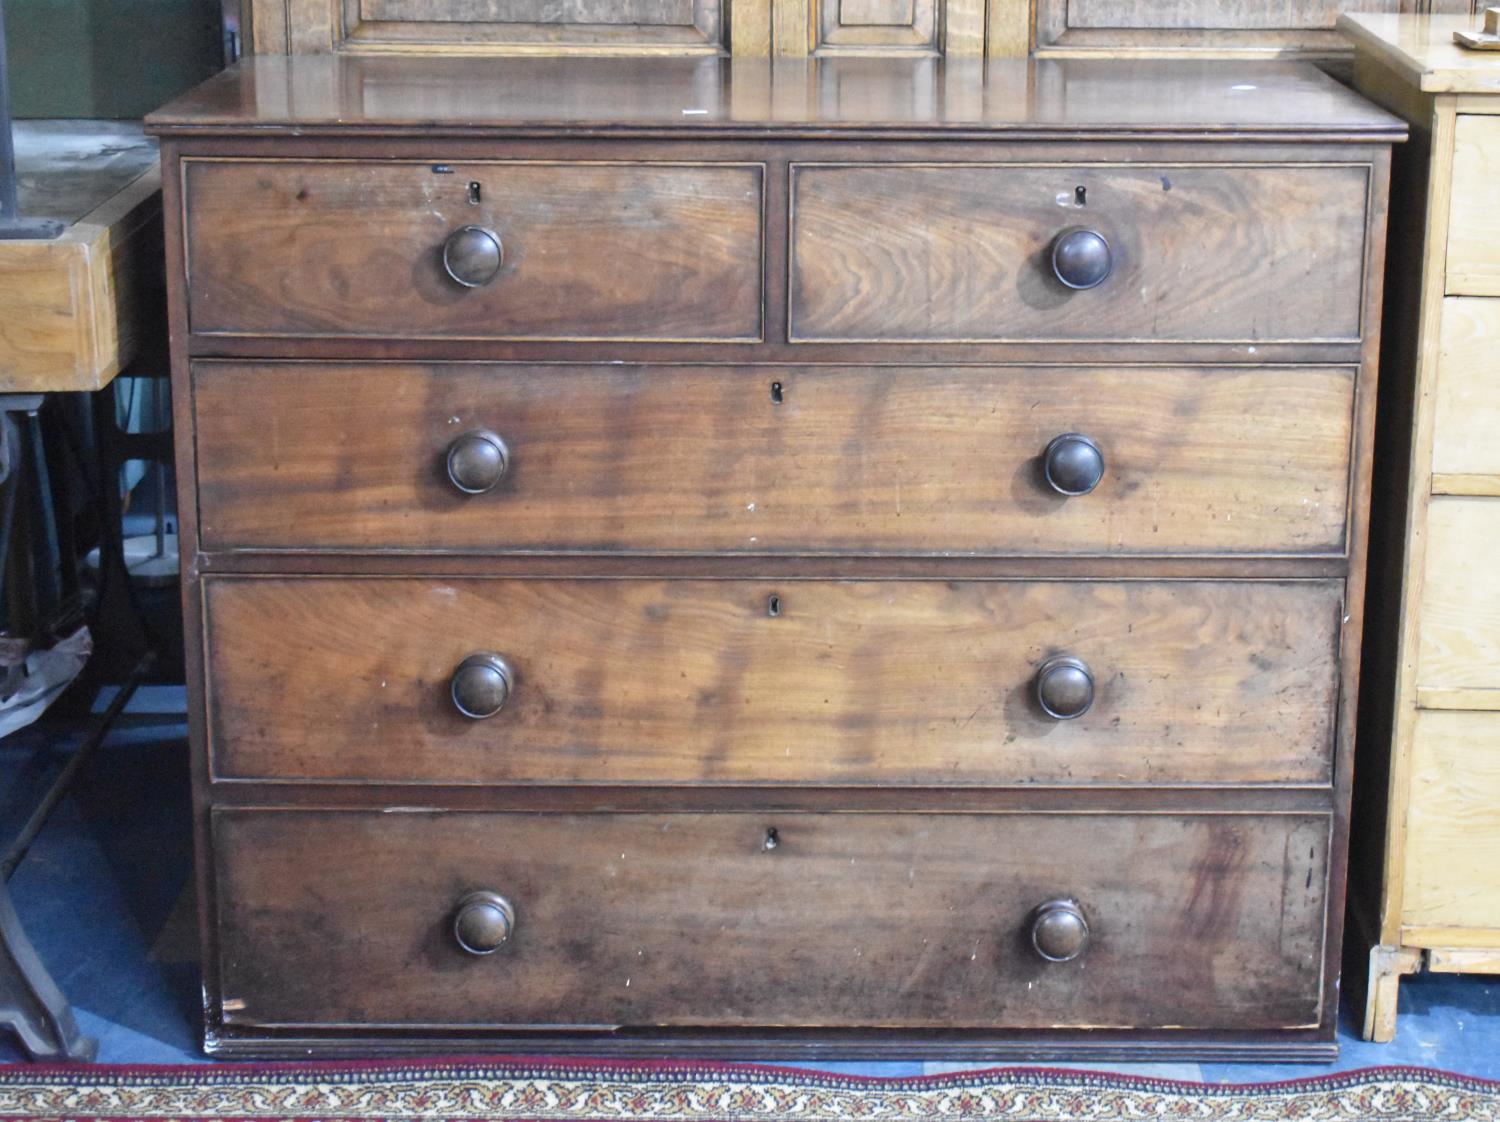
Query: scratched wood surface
pixel 1197 921
pixel 933 254
pixel 750 459
pixel 604 250
pixel 696 681
pixel 1474 221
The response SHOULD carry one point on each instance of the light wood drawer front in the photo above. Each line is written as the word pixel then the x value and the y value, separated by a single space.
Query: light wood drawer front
pixel 713 681
pixel 594 250
pixel 1459 664
pixel 704 460
pixel 329 917
pixel 1474 214
pixel 960 253
pixel 1453 822
pixel 1466 425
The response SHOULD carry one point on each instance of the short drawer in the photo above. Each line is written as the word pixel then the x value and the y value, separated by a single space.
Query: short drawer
pixel 1458 666
pixel 621 681
pixel 795 919
pixel 1466 404
pixel 1474 214
pixel 949 460
pixel 578 251
pixel 963 253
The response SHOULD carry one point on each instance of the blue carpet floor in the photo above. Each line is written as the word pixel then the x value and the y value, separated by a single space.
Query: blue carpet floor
pixel 104 896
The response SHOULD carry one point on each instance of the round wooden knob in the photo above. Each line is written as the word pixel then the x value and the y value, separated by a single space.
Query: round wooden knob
pixel 477 461
pixel 1059 931
pixel 1064 687
pixel 482 685
pixel 1073 464
pixel 472 256
pixel 483 922
pixel 1081 257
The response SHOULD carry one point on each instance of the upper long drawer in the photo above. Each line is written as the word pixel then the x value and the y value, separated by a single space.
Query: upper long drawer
pixel 621 251
pixel 832 460
pixel 964 253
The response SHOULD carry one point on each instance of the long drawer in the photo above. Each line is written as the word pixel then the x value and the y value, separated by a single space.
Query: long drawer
pixel 910 460
pixel 964 253
pixel 599 250
pixel 746 682
pixel 797 919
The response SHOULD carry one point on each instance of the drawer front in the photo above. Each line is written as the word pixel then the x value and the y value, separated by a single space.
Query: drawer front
pixel 1466 419
pixel 1201 921
pixel 1453 822
pixel 960 253
pixel 773 460
pixel 1459 663
pixel 798 682
pixel 586 251
pixel 1474 214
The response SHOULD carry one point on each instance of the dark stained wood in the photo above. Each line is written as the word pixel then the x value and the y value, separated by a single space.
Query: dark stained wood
pixel 591 251
pixel 705 459
pixel 851 919
pixel 963 253
pixel 693 681
pixel 343 95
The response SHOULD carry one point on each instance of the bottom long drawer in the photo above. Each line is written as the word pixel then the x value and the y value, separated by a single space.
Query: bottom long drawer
pixel 354 917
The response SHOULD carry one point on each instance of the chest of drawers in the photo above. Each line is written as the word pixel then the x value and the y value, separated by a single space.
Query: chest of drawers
pixel 765 559
pixel 1428 808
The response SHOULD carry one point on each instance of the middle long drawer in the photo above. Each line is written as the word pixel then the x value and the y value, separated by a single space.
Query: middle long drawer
pixel 831 460
pixel 626 681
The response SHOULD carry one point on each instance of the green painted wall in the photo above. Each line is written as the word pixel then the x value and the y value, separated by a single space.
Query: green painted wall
pixel 108 58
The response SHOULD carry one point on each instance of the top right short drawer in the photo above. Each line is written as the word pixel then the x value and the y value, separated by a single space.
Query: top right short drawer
pixel 1193 253
pixel 1474 220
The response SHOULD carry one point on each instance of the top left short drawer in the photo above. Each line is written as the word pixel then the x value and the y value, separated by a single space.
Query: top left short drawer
pixel 523 250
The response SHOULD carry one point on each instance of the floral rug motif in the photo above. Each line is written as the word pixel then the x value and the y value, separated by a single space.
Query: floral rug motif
pixel 605 1091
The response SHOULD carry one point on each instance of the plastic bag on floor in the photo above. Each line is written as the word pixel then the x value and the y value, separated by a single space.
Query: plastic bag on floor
pixel 35 682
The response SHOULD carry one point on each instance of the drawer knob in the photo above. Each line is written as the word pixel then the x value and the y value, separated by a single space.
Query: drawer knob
pixel 1064 687
pixel 482 685
pixel 1073 464
pixel 1081 257
pixel 483 922
pixel 1059 931
pixel 472 256
pixel 477 461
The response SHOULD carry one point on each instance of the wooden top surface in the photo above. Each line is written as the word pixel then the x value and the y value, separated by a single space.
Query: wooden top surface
pixel 68 168
pixel 1422 49
pixel 690 97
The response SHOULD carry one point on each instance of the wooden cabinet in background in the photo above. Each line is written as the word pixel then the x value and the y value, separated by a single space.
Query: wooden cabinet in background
pixel 1425 882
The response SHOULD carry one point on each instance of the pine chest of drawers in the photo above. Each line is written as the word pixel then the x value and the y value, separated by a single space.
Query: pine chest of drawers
pixel 837 558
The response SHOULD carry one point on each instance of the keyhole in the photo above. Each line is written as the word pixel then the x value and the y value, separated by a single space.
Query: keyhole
pixel 773 606
pixel 776 397
pixel 1080 196
pixel 772 838
pixel 475 189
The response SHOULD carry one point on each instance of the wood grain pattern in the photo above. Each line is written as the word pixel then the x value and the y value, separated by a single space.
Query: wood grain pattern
pixel 705 459
pixel 957 253
pixel 879 25
pixel 601 250
pixel 697 681
pixel 1460 606
pixel 74 306
pixel 852 919
pixel 1453 826
pixel 1466 396
pixel 1474 224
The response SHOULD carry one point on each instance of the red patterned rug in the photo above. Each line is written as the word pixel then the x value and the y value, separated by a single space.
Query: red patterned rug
pixel 589 1091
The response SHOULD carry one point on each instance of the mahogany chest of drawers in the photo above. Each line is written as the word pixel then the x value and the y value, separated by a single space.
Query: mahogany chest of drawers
pixel 761 559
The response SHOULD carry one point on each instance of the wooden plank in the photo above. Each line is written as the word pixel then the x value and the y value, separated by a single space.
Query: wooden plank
pixel 963 28
pixel 1474 229
pixel 791 22
pixel 796 683
pixel 1460 607
pixel 1457 938
pixel 1466 397
pixel 1465 960
pixel 1008 31
pixel 1453 832
pixel 1451 698
pixel 750 31
pixel 1465 484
